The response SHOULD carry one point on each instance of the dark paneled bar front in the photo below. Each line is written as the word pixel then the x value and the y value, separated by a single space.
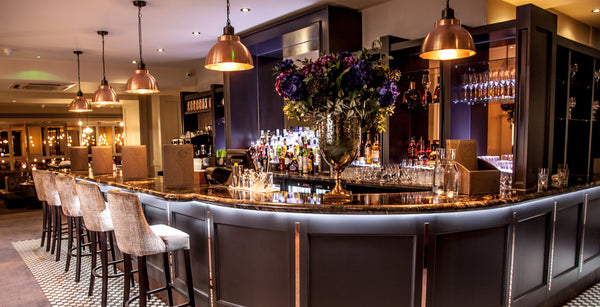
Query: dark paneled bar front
pixel 407 249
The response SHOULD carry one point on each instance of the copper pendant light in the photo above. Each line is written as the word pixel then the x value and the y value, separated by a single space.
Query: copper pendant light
pixel 105 94
pixel 142 82
pixel 79 104
pixel 448 40
pixel 229 54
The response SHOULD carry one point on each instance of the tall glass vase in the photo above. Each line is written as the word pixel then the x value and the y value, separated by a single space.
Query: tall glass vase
pixel 339 140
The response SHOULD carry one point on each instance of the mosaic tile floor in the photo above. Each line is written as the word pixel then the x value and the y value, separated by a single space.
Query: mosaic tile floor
pixel 587 298
pixel 60 287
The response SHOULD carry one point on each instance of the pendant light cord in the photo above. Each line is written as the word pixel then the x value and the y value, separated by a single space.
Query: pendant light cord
pixel 228 20
pixel 103 63
pixel 78 73
pixel 140 36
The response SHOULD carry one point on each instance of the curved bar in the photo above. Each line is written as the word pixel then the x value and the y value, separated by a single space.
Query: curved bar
pixel 382 249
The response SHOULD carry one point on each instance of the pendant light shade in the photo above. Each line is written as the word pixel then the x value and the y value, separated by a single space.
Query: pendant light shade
pixel 105 94
pixel 448 40
pixel 142 82
pixel 229 54
pixel 79 104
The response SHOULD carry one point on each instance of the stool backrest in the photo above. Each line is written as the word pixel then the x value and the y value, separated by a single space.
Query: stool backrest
pixel 96 215
pixel 68 195
pixel 37 182
pixel 132 232
pixel 49 186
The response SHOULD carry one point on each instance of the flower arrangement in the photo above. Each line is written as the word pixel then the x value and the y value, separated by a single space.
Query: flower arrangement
pixel 335 84
pixel 509 108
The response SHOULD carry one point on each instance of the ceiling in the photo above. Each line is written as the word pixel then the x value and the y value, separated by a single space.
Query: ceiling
pixel 51 30
pixel 577 9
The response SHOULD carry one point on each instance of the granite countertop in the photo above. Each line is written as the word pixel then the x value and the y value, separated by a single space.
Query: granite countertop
pixel 372 203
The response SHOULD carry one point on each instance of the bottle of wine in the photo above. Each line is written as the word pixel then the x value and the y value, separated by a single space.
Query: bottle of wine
pixel 451 176
pixel 368 151
pixel 375 151
pixel 438 173
pixel 426 99
pixel 412 97
pixel 412 148
pixel 437 93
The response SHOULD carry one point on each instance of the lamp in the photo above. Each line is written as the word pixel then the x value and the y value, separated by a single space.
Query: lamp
pixel 229 54
pixel 79 104
pixel 142 82
pixel 105 94
pixel 448 40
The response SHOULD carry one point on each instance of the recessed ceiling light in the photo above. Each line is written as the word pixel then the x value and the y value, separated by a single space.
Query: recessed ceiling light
pixel 196 33
pixel 245 9
pixel 134 62
pixel 596 11
pixel 160 50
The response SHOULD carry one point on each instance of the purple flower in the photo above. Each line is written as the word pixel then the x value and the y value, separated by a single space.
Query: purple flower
pixel 388 94
pixel 358 75
pixel 284 65
pixel 289 85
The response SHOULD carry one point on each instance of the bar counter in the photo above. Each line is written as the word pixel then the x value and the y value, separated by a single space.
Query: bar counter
pixel 401 249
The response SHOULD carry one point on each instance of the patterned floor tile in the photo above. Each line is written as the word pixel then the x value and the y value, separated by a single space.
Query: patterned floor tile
pixel 60 287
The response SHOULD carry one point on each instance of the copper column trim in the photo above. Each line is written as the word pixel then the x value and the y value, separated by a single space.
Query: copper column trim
pixel 210 268
pixel 424 277
pixel 512 258
pixel 585 207
pixel 554 213
pixel 297 261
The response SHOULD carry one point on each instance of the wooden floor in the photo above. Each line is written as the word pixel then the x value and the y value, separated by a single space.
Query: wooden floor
pixel 17 285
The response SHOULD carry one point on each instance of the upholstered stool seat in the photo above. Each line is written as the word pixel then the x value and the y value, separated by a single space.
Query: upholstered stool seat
pixel 97 220
pixel 41 196
pixel 48 180
pixel 136 238
pixel 72 210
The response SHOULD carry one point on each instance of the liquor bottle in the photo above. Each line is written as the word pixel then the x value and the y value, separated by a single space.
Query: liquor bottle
pixel 294 165
pixel 375 151
pixel 412 97
pixel 426 99
pixel 368 151
pixel 451 176
pixel 311 161
pixel 437 93
pixel 412 148
pixel 288 159
pixel 438 173
pixel 317 160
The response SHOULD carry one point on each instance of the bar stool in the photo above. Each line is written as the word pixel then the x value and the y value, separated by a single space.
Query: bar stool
pixel 54 206
pixel 39 191
pixel 136 238
pixel 72 210
pixel 97 220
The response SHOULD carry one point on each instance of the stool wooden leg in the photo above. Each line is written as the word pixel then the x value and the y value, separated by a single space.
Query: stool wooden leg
pixel 58 232
pixel 143 276
pixel 69 242
pixel 188 274
pixel 112 251
pixel 127 280
pixel 50 229
pixel 44 220
pixel 54 227
pixel 79 248
pixel 167 270
pixel 93 248
pixel 104 261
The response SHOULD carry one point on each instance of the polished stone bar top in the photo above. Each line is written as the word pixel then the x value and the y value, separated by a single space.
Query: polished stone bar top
pixel 371 203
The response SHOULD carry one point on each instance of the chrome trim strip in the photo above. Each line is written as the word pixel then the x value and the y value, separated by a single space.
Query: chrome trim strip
pixel 585 208
pixel 512 258
pixel 425 255
pixel 210 266
pixel 297 261
pixel 554 214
